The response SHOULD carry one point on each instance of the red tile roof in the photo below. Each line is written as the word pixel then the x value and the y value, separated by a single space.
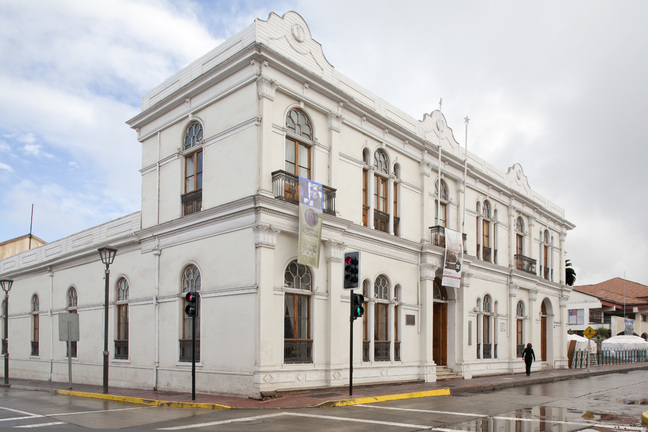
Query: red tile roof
pixel 618 291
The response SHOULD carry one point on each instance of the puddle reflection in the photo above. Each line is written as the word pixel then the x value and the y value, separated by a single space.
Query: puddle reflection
pixel 536 419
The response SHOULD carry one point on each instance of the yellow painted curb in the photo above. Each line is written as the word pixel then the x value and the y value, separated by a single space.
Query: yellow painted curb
pixel 374 399
pixel 644 418
pixel 142 401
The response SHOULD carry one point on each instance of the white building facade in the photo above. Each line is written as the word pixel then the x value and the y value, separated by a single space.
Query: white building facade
pixel 223 142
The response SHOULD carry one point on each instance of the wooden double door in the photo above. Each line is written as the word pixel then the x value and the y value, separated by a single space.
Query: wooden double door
pixel 440 334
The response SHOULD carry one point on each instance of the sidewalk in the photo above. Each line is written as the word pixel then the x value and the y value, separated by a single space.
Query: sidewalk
pixel 322 397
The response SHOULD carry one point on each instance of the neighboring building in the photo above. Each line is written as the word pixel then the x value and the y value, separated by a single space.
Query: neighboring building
pixel 620 305
pixel 223 142
pixel 19 244
pixel 584 311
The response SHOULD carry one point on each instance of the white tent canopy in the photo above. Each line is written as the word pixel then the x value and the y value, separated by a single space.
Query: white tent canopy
pixel 625 342
pixel 581 343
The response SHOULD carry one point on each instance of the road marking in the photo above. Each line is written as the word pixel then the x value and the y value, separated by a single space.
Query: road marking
pixel 291 414
pixel 562 422
pixel 97 411
pixel 424 411
pixel 40 425
pixel 378 422
pixel 222 422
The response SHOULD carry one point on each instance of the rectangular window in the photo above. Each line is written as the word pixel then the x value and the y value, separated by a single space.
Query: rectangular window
pixel 35 334
pixel 381 335
pixel 443 216
pixel 519 244
pixel 192 198
pixel 297 158
pixel 519 337
pixel 121 343
pixel 380 194
pixel 576 316
pixel 297 341
pixel 365 198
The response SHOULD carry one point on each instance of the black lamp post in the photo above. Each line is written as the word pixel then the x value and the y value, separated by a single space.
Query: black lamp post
pixel 6 287
pixel 107 257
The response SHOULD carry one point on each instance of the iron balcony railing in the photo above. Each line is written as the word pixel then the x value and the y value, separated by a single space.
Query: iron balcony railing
pixel 185 350
pixel 298 351
pixel 121 350
pixel 34 349
pixel 526 264
pixel 285 186
pixel 437 234
pixel 381 221
pixel 381 350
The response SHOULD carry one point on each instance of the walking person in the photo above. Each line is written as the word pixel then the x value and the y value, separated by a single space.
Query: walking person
pixel 528 356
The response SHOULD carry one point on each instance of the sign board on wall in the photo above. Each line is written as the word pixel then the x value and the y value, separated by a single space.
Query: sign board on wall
pixel 69 327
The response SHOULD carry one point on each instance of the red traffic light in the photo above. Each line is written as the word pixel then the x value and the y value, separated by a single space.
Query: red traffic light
pixel 191 304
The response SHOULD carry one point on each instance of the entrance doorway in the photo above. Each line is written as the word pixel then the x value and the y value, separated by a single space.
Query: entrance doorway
pixel 440 325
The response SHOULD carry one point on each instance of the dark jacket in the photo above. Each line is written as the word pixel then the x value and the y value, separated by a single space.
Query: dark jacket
pixel 528 354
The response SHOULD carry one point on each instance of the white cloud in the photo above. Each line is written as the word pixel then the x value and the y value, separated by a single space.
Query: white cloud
pixel 5 167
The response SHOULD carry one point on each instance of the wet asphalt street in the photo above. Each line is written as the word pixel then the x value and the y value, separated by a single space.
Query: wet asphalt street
pixel 607 402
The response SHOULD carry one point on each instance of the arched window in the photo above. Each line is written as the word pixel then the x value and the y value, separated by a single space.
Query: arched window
pixel 192 197
pixel 366 341
pixel 72 300
pixel 547 272
pixel 441 207
pixel 519 236
pixel 72 304
pixel 121 342
pixel 519 320
pixel 365 187
pixel 35 308
pixel 487 326
pixel 381 319
pixel 298 344
pixel 381 191
pixel 397 308
pixel 191 282
pixel 299 138
pixel 395 211
pixel 486 232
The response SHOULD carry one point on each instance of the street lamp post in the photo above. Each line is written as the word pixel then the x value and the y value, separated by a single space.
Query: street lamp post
pixel 6 287
pixel 107 255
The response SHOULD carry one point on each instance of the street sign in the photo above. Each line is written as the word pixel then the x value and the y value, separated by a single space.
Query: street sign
pixel 589 332
pixel 69 327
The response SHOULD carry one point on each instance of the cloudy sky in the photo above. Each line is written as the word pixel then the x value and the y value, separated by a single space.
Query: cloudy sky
pixel 559 87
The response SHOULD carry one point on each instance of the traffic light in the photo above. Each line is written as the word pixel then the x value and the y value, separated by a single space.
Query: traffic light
pixel 191 304
pixel 351 269
pixel 358 308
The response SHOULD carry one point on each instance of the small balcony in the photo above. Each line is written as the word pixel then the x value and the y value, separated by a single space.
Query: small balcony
pixel 285 186
pixel 526 264
pixel 437 233
pixel 381 221
pixel 34 349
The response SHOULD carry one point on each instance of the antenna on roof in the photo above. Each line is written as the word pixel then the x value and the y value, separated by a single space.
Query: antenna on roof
pixel 31 224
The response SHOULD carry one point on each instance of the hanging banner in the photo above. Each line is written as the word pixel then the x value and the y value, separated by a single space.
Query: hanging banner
pixel 453 259
pixel 629 326
pixel 311 198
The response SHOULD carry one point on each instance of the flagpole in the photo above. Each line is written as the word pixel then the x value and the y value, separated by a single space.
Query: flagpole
pixel 439 126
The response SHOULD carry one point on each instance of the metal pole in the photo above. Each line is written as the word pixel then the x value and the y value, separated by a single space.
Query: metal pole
pixel 69 347
pixel 105 353
pixel 6 336
pixel 193 355
pixel 351 344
